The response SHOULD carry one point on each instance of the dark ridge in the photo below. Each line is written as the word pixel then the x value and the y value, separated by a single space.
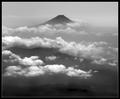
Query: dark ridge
pixel 60 19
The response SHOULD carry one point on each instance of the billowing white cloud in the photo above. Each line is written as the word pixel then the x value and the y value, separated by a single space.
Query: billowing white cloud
pixel 97 51
pixel 33 71
pixel 13 71
pixel 33 66
pixel 33 60
pixel 51 58
pixel 76 72
pixel 12 57
pixel 93 50
pixel 27 61
pixel 6 52
pixel 55 68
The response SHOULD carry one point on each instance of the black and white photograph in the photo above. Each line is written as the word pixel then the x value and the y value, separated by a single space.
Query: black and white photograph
pixel 60 49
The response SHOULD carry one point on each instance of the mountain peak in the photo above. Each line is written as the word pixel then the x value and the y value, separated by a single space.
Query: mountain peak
pixel 61 16
pixel 59 19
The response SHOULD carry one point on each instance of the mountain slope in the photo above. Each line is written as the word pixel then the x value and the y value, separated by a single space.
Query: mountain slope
pixel 59 19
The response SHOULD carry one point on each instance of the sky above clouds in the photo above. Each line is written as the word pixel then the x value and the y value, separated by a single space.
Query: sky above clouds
pixel 96 13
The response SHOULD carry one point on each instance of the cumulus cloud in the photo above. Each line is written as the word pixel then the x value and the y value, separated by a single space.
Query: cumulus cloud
pixel 33 60
pixel 97 51
pixel 33 71
pixel 11 56
pixel 87 49
pixel 76 72
pixel 6 52
pixel 51 58
pixel 33 66
pixel 27 61
pixel 13 70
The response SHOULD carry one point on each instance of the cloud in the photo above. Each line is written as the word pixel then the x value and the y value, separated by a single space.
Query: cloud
pixel 26 61
pixel 6 52
pixel 33 60
pixel 11 56
pixel 51 58
pixel 6 30
pixel 103 61
pixel 112 64
pixel 76 72
pixel 13 71
pixel 33 66
pixel 97 51
pixel 100 61
pixel 33 71
pixel 87 49
pixel 76 28
pixel 53 69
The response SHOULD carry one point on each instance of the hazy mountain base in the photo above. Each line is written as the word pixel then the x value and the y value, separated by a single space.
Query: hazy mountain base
pixel 102 83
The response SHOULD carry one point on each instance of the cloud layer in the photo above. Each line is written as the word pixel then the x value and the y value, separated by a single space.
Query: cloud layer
pixel 77 28
pixel 92 50
pixel 47 29
pixel 33 71
pixel 33 66
pixel 27 61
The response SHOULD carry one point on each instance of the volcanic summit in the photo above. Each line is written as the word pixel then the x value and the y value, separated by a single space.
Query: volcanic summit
pixel 59 19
